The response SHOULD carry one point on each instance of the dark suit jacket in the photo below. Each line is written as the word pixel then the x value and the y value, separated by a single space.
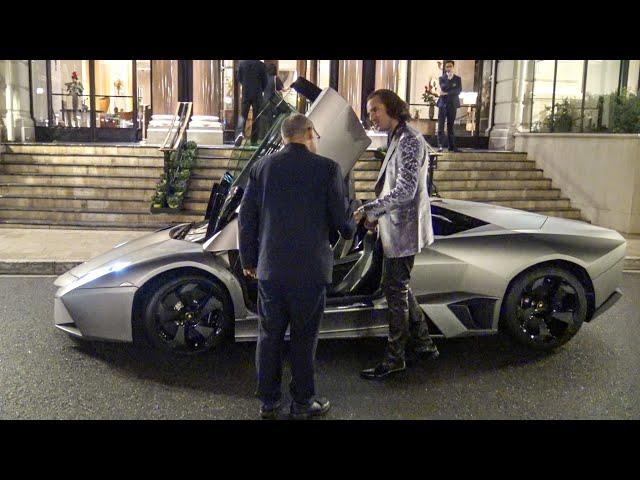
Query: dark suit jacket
pixel 453 88
pixel 293 200
pixel 252 75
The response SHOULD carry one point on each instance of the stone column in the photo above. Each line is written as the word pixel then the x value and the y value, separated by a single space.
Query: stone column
pixel 350 83
pixel 205 127
pixel 3 105
pixel 512 90
pixel 386 74
pixel 164 86
pixel 16 124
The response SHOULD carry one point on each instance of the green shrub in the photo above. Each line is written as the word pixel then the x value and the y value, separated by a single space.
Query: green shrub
pixel 173 184
pixel 561 119
pixel 626 113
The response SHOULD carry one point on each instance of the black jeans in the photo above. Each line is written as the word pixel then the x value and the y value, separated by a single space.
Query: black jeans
pixel 256 105
pixel 301 308
pixel 406 319
pixel 447 112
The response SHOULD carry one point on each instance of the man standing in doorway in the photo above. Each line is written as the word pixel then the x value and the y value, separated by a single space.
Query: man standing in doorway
pixel 252 75
pixel 403 217
pixel 448 104
pixel 293 201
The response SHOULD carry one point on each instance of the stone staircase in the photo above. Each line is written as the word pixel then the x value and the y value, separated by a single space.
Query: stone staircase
pixel 96 186
pixel 110 186
pixel 502 178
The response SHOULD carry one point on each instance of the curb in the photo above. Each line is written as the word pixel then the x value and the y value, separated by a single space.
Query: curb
pixel 17 267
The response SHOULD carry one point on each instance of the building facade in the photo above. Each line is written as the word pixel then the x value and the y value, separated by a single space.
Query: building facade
pixel 119 100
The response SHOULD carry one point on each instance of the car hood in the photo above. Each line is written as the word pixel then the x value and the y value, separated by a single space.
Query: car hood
pixel 140 249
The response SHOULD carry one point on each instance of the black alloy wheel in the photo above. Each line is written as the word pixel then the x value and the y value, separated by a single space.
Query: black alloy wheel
pixel 188 315
pixel 545 308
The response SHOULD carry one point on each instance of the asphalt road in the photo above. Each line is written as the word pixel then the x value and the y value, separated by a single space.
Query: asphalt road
pixel 44 374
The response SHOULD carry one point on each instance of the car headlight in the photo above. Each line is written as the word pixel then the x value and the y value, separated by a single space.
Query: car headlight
pixel 95 274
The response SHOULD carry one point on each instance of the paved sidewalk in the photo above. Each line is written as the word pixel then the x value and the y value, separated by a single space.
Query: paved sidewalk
pixel 44 251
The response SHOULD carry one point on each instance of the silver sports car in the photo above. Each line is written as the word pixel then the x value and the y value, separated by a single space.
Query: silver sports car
pixel 490 269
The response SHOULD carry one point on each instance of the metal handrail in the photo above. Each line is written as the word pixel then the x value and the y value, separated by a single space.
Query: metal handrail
pixel 182 115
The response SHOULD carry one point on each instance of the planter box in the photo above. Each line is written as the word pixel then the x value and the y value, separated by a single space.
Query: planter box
pixel 155 210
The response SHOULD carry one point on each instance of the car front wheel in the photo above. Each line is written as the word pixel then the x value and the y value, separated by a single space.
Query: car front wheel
pixel 187 315
pixel 544 308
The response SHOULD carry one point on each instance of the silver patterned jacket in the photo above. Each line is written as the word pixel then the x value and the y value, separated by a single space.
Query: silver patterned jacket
pixel 402 208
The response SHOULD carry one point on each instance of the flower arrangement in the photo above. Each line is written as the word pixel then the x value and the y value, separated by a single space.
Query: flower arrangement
pixel 74 87
pixel 430 94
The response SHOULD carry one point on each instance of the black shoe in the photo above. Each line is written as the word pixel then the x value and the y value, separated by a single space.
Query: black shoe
pixel 314 408
pixel 269 411
pixel 429 352
pixel 382 370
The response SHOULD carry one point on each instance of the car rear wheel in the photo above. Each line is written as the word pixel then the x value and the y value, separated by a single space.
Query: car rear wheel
pixel 544 308
pixel 188 315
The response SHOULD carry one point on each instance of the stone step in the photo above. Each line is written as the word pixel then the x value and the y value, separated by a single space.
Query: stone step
pixel 198 182
pixel 55 203
pixel 82 149
pixel 97 160
pixel 492 184
pixel 444 175
pixel 369 165
pixel 464 165
pixel 109 161
pixel 105 149
pixel 488 195
pixel 79 225
pixel 449 164
pixel 79 181
pixel 554 203
pixel 498 194
pixel 491 156
pixel 138 217
pixel 465 175
pixel 475 185
pixel 572 213
pixel 102 171
pixel 81 170
pixel 98 192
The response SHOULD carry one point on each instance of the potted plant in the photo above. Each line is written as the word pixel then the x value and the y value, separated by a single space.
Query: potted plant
pixel 561 119
pixel 170 191
pixel 430 96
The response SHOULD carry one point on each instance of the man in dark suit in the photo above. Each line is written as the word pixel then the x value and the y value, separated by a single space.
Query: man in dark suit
pixel 252 75
pixel 294 199
pixel 448 104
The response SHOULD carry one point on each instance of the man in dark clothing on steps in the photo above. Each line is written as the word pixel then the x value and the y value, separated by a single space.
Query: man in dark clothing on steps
pixel 252 75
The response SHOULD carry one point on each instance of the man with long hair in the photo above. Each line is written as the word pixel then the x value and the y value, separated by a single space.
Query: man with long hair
pixel 401 213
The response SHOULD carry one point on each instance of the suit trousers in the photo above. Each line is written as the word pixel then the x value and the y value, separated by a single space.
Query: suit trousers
pixel 256 104
pixel 301 308
pixel 407 321
pixel 448 113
